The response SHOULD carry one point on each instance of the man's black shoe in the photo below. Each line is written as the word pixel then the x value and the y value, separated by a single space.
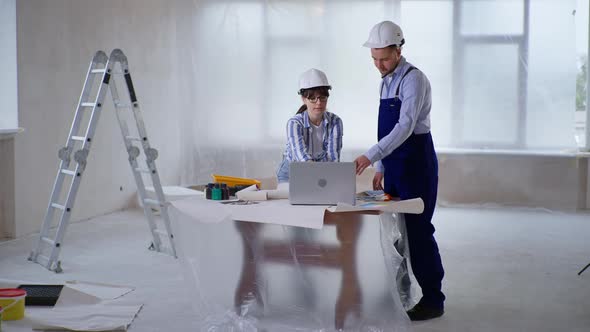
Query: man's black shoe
pixel 423 312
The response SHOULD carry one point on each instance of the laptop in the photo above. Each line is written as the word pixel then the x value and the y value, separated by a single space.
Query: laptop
pixel 322 183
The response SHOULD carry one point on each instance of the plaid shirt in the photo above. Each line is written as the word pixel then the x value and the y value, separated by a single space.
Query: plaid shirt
pixel 299 137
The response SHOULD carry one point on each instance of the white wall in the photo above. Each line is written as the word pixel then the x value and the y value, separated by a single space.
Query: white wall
pixel 56 41
pixel 6 187
pixel 8 93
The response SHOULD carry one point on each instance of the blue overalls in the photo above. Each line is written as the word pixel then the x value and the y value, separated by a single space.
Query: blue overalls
pixel 411 171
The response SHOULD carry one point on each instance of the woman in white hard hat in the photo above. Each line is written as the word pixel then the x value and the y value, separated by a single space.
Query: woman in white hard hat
pixel 313 134
pixel 405 158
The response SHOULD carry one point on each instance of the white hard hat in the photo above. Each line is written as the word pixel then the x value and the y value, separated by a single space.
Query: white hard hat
pixel 313 78
pixel 385 34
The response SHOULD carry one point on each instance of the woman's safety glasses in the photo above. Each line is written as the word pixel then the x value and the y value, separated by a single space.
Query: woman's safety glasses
pixel 315 99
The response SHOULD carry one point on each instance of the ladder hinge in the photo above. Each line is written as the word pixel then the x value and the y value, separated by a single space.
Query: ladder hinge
pixel 80 157
pixel 64 154
pixel 151 154
pixel 133 152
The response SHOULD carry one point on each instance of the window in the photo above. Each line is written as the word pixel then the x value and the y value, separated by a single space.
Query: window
pixel 490 46
pixel 498 69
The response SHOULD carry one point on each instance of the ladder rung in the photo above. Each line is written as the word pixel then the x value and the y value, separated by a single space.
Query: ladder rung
pixel 123 105
pixel 87 104
pixel 79 138
pixel 98 71
pixel 133 138
pixel 48 241
pixel 68 172
pixel 57 206
pixel 161 232
pixel 153 202
pixel 142 170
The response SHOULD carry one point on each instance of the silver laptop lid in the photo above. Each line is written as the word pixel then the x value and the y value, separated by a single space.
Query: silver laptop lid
pixel 322 183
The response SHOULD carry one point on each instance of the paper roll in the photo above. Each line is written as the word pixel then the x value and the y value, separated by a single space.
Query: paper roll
pixel 251 188
pixel 246 195
pixel 277 194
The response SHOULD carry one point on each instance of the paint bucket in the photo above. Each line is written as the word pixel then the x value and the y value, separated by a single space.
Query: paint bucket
pixel 12 300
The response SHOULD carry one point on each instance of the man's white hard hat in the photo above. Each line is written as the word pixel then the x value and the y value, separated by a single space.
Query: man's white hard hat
pixel 384 34
pixel 313 78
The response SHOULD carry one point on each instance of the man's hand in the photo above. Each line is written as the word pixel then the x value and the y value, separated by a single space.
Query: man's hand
pixel 361 163
pixel 377 181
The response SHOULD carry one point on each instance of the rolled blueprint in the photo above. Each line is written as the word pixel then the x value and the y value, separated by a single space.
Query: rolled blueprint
pixel 251 188
pixel 277 194
pixel 247 195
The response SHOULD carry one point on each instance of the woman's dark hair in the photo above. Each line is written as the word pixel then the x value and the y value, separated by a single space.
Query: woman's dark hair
pixel 321 91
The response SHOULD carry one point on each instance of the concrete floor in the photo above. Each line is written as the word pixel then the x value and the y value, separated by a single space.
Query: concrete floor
pixel 506 270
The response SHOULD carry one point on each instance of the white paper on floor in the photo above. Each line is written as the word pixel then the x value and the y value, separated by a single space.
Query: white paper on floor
pixel 100 290
pixel 86 306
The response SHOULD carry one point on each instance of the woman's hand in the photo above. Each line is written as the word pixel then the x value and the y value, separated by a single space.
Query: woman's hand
pixel 378 181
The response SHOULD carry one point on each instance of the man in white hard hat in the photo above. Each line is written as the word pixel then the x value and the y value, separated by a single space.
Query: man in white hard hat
pixel 405 158
pixel 313 134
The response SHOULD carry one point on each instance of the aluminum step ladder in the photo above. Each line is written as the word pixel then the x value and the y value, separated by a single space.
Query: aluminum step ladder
pixel 105 71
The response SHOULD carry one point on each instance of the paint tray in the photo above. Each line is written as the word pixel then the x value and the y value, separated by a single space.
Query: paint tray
pixel 233 181
pixel 41 295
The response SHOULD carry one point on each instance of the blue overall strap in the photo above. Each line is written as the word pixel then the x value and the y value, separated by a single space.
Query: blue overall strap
pixel 400 81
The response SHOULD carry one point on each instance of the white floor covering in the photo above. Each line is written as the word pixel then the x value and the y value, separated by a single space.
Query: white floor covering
pixel 506 270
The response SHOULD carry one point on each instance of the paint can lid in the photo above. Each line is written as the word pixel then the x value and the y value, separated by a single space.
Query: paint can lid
pixel 12 292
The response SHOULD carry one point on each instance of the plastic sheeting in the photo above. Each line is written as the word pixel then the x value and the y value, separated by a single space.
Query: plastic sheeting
pixel 217 81
pixel 248 276
pixel 495 85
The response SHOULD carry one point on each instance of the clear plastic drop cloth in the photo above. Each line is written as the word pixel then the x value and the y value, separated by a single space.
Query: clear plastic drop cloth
pixel 495 85
pixel 351 275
